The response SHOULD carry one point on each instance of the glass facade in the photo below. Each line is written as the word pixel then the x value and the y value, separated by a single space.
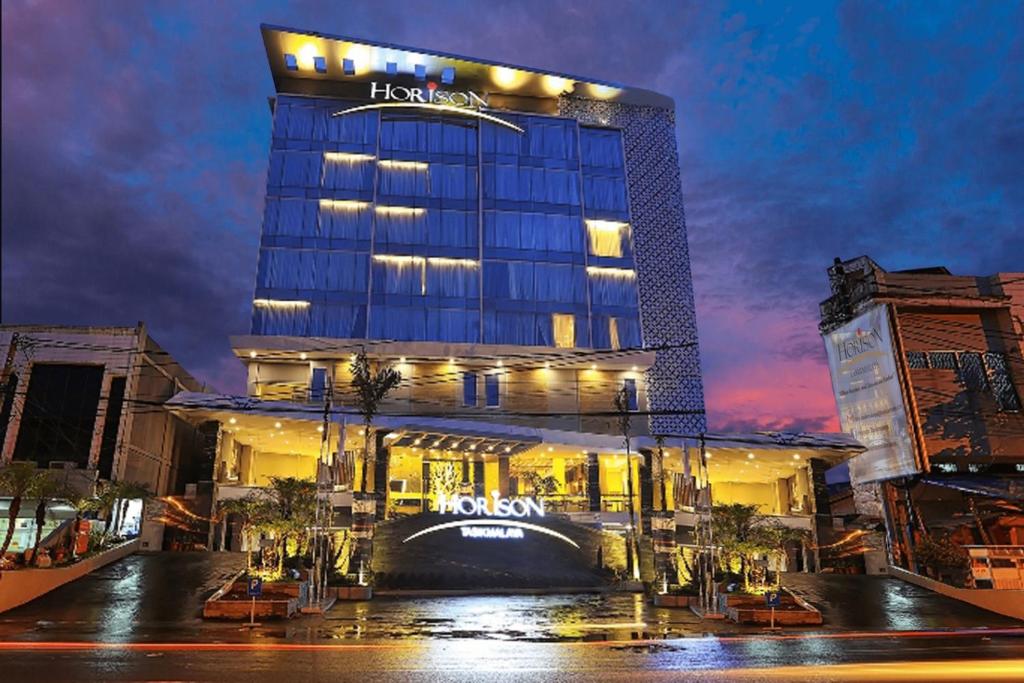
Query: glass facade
pixel 407 226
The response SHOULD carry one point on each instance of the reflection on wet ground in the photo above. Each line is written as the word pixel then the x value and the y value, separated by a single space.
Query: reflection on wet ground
pixel 158 598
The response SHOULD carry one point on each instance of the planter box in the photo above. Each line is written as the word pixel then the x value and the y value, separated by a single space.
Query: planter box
pixel 18 586
pixel 351 592
pixel 751 609
pixel 227 608
pixel 683 601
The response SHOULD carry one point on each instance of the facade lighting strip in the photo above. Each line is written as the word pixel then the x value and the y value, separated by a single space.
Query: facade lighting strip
pixel 400 210
pixel 280 303
pixel 347 157
pixel 605 225
pixel 611 272
pixel 403 165
pixel 343 204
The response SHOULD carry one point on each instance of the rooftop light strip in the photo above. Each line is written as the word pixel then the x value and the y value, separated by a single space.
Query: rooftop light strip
pixel 611 272
pixel 280 303
pixel 403 165
pixel 347 157
pixel 447 109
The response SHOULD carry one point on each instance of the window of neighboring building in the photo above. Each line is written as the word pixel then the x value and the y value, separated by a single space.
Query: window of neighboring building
pixel 564 325
pixel 942 360
pixel 492 389
pixel 469 389
pixel 999 379
pixel 972 372
pixel 917 359
pixel 613 333
pixel 59 415
pixel 630 386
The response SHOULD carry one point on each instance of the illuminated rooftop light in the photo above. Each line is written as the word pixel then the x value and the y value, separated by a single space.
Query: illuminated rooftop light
pixel 506 77
pixel 252 354
pixel 554 85
pixel 306 56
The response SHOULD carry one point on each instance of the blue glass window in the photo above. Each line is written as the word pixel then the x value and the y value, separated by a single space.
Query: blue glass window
pixel 469 388
pixel 492 387
pixel 629 386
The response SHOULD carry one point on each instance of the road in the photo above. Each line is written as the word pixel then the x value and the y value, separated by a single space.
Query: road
pixel 139 620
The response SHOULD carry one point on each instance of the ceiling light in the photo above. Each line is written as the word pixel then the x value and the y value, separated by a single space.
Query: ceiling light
pixel 252 354
pixel 796 456
pixel 320 429
pixel 277 425
pixel 303 356
pixel 550 448
pixel 232 420
pixel 593 366
pixel 750 456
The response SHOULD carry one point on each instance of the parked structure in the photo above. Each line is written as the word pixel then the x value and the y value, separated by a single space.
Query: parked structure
pixel 928 369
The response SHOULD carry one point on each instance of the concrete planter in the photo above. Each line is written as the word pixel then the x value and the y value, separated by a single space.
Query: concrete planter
pixel 18 586
pixel 1008 602
pixel 279 600
pixel 751 609
pixel 352 592
pixel 684 601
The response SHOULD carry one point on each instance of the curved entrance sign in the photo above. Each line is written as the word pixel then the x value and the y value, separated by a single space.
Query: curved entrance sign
pixel 507 523
pixel 444 108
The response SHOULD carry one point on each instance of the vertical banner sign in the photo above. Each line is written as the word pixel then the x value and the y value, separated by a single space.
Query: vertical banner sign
pixel 866 385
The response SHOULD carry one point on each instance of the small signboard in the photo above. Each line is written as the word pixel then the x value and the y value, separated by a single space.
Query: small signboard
pixel 255 586
pixel 772 599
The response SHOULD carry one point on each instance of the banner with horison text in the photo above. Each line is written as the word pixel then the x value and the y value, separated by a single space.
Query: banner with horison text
pixel 866 385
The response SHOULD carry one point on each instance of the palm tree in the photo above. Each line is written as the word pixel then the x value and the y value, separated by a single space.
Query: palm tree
pixel 371 389
pixel 621 403
pixel 16 480
pixel 248 510
pixel 44 489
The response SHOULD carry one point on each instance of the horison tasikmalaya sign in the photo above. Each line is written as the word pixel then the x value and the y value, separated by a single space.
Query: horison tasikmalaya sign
pixel 430 94
pixel 496 518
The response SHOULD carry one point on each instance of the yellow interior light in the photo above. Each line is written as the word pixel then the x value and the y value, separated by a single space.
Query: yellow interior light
pixel 555 85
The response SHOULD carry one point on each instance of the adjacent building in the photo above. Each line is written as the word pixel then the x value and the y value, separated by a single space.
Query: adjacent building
pixel 928 371
pixel 89 401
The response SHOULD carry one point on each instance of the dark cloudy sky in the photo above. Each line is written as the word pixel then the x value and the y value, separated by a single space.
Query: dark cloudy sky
pixel 135 142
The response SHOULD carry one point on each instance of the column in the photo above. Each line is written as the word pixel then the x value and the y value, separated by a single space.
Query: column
pixel 503 476
pixel 381 486
pixel 593 469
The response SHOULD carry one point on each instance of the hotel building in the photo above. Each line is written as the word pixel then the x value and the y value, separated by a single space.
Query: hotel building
pixel 513 242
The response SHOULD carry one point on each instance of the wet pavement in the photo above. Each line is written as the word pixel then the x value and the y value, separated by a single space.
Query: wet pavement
pixel 153 603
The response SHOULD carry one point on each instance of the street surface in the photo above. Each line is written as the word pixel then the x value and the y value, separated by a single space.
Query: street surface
pixel 139 620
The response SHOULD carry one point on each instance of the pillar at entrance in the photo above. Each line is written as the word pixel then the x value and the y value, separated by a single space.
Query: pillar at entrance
pixel 558 472
pixel 593 483
pixel 245 465
pixel 503 476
